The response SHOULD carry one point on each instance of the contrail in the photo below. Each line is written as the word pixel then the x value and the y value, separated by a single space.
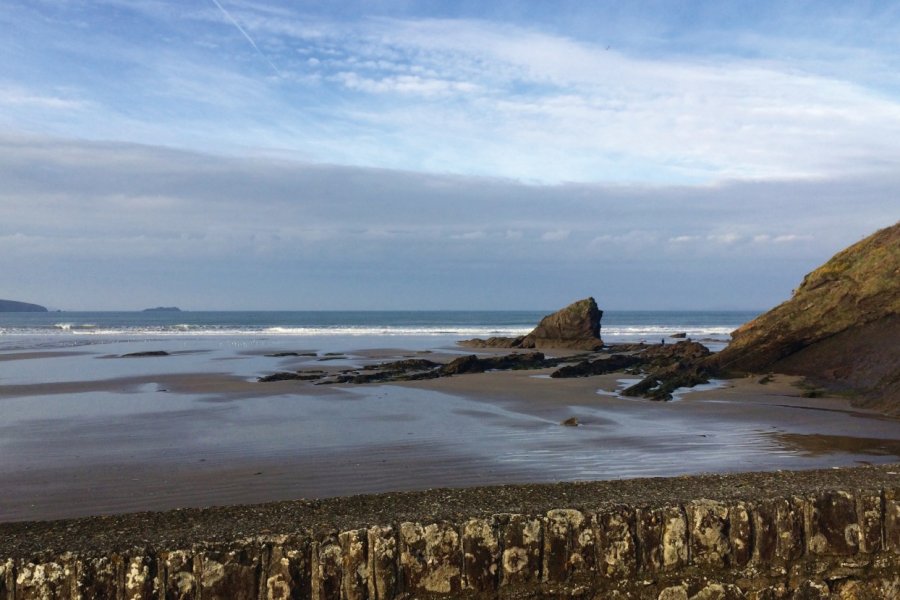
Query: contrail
pixel 246 35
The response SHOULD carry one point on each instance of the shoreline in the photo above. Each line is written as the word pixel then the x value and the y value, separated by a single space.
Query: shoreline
pixel 173 438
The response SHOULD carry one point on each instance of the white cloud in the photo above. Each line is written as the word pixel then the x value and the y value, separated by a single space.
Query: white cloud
pixel 556 235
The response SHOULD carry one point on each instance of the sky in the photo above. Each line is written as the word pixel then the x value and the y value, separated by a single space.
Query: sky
pixel 391 154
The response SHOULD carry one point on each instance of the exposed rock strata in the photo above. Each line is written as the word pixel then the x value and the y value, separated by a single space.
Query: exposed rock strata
pixel 841 327
pixel 575 327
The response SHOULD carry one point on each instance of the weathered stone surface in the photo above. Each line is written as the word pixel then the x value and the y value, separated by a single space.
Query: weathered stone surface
pixel 481 555
pixel 870 517
pixel 740 534
pixel 382 560
pixel 663 540
pixel 892 519
pixel 230 574
pixel 102 577
pixel 7 579
pixel 709 533
pixel 354 567
pixel 779 531
pixel 718 591
pixel 179 576
pixel 833 525
pixel 616 543
pixel 568 545
pixel 288 569
pixel 825 544
pixel 811 590
pixel 43 581
pixel 141 580
pixel 430 558
pixel 326 576
pixel 522 545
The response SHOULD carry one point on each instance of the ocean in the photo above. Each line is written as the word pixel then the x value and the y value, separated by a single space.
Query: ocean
pixel 19 331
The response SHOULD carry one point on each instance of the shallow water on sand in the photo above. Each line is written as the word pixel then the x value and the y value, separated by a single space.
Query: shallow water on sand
pixel 131 441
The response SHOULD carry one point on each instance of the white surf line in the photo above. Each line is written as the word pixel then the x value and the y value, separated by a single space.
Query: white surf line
pixel 246 35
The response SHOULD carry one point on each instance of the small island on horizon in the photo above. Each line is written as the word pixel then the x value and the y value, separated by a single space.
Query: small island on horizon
pixel 162 309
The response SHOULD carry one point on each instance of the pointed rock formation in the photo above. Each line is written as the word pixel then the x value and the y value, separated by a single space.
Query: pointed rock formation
pixel 575 327
pixel 841 328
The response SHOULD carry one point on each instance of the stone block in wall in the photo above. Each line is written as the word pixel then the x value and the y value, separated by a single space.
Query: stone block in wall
pixel 811 590
pixel 481 555
pixel 354 566
pixel 569 547
pixel 892 520
pixel 229 574
pixel 833 525
pixel 662 538
pixel 709 533
pixel 141 577
pixel 382 561
pixel 102 577
pixel 522 541
pixel 287 570
pixel 870 515
pixel 778 526
pixel 326 569
pixel 42 581
pixel 430 558
pixel 615 532
pixel 740 534
pixel 7 579
pixel 178 576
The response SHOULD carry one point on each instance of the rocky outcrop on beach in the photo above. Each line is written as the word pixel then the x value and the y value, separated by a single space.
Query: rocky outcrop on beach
pixel 417 369
pixel 15 306
pixel 575 327
pixel 840 329
pixel 664 368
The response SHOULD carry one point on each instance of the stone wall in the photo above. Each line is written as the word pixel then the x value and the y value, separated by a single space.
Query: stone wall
pixel 840 544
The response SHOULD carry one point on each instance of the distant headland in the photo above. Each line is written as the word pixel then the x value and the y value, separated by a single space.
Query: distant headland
pixel 14 306
pixel 163 309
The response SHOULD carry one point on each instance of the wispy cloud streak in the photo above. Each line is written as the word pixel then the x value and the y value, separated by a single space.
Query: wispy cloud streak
pixel 247 36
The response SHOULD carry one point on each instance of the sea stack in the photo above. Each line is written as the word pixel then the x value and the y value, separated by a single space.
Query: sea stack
pixel 841 328
pixel 575 327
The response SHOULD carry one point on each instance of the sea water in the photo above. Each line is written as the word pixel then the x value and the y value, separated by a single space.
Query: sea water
pixel 20 331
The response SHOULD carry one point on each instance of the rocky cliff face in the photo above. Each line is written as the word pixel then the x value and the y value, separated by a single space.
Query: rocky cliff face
pixel 13 306
pixel 841 328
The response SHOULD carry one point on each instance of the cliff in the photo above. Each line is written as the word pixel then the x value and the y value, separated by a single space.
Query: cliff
pixel 840 329
pixel 13 306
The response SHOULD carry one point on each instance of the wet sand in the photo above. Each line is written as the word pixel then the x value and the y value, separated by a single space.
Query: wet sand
pixel 198 430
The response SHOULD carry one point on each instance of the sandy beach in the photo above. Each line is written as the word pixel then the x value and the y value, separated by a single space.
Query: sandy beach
pixel 85 431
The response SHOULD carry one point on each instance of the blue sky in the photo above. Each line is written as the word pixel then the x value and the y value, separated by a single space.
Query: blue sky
pixel 276 155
